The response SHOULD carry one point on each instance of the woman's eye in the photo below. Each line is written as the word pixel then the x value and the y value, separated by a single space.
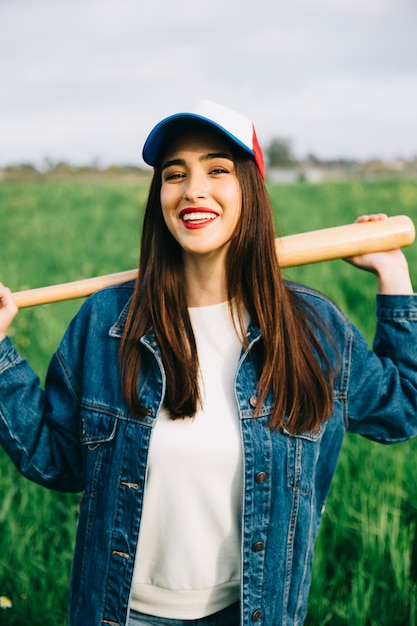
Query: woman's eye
pixel 219 170
pixel 173 175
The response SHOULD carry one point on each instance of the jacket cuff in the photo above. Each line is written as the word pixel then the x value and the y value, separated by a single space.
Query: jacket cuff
pixel 396 306
pixel 9 356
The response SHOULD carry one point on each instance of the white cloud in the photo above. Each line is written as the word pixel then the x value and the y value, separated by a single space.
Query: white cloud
pixel 90 77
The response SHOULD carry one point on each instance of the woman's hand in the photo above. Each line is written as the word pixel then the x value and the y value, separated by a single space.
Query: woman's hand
pixel 390 268
pixel 8 310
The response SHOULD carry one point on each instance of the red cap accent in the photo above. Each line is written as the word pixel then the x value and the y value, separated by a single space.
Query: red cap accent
pixel 258 154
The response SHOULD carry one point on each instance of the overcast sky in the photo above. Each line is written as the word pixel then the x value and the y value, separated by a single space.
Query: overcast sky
pixel 86 79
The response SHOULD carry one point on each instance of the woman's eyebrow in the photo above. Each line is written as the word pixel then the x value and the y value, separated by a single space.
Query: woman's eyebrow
pixel 204 157
pixel 172 162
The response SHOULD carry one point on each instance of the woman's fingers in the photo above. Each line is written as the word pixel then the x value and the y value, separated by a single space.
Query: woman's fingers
pixel 8 310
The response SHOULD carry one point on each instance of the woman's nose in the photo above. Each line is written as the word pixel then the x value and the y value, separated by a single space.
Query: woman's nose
pixel 195 189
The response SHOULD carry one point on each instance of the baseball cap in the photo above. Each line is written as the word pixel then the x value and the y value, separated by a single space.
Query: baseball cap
pixel 235 126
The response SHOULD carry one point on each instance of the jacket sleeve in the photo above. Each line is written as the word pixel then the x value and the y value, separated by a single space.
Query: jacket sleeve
pixel 39 429
pixel 382 383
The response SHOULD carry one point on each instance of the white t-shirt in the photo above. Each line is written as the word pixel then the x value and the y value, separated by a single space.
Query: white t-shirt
pixel 188 557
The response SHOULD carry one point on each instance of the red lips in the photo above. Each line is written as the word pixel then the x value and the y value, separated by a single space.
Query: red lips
pixel 197 217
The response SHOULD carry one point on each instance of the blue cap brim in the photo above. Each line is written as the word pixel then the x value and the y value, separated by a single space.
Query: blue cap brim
pixel 169 128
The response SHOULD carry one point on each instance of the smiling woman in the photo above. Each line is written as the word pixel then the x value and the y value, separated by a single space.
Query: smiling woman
pixel 201 408
pixel 201 202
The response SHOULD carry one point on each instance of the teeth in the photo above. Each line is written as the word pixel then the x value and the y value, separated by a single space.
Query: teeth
pixel 188 217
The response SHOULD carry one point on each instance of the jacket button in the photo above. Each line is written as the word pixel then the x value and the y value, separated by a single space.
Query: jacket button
pixel 253 401
pixel 258 546
pixel 256 615
pixel 261 477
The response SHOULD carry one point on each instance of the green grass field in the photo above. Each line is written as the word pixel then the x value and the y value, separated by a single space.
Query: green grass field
pixel 365 570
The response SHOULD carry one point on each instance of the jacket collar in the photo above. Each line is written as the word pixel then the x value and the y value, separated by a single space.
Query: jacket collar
pixel 253 332
pixel 117 329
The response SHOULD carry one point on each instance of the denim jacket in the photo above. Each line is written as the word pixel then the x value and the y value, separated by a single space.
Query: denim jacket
pixel 78 435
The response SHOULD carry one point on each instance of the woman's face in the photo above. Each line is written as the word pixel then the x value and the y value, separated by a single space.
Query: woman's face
pixel 201 196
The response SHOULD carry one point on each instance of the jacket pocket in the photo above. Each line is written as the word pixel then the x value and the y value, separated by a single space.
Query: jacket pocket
pixel 98 430
pixel 303 450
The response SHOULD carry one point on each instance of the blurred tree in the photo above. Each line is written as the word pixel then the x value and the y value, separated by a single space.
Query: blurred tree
pixel 279 152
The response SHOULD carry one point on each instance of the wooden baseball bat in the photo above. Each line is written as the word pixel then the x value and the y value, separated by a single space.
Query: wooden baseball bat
pixel 309 247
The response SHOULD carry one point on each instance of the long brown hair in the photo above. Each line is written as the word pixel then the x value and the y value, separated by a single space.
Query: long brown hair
pixel 293 363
